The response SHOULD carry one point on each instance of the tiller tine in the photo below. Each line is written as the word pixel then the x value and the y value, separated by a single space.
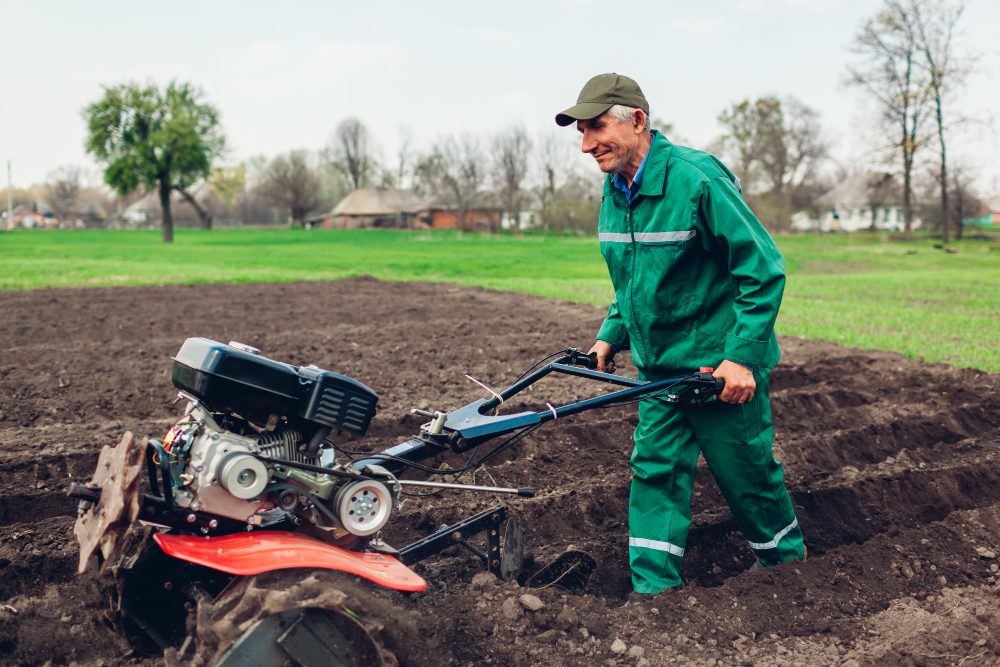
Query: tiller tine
pixel 114 500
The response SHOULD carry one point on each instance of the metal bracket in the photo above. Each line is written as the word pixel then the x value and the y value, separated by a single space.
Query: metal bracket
pixel 448 536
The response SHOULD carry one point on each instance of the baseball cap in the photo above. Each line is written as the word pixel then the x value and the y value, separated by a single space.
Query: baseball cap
pixel 600 94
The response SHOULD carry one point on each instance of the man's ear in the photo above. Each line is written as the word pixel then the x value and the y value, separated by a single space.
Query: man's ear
pixel 638 121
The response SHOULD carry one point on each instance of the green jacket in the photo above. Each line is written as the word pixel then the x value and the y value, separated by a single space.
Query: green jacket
pixel 697 278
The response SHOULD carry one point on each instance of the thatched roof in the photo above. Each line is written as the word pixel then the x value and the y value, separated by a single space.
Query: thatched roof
pixel 371 201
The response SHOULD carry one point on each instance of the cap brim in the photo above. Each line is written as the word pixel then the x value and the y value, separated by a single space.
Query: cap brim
pixel 582 111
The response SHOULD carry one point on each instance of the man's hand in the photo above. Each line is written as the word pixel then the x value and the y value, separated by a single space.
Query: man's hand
pixel 740 385
pixel 605 357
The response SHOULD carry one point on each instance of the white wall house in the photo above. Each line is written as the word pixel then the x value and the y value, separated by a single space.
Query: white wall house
pixel 859 202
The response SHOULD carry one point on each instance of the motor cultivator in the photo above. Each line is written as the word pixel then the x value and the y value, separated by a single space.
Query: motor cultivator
pixel 248 482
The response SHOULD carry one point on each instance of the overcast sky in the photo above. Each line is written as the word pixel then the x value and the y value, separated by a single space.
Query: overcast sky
pixel 283 74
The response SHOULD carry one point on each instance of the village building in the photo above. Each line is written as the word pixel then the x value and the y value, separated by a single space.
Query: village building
pixel 373 208
pixel 866 200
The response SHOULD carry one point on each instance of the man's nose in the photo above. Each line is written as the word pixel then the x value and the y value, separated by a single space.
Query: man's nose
pixel 588 143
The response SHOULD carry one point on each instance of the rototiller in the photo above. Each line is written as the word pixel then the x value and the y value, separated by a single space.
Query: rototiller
pixel 249 481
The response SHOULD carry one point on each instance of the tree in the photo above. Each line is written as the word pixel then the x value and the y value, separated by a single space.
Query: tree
pixel 226 183
pixel 553 159
pixel 404 153
pixel 891 75
pixel 511 153
pixel 777 147
pixel 290 183
pixel 63 189
pixel 159 139
pixel 748 127
pixel 936 21
pixel 454 171
pixel 352 151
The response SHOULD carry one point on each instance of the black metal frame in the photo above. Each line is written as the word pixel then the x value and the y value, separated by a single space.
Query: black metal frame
pixel 449 536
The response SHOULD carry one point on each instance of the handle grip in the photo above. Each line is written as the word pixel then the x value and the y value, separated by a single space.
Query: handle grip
pixel 581 358
pixel 526 492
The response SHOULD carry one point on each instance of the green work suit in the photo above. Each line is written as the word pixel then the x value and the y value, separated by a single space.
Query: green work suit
pixel 697 281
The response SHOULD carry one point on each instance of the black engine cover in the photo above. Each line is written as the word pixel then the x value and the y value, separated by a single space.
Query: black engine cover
pixel 255 387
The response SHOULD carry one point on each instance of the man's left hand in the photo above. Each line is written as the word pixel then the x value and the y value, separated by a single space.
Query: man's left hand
pixel 740 385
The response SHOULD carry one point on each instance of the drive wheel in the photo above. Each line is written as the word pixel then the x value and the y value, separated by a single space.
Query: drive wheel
pixel 297 617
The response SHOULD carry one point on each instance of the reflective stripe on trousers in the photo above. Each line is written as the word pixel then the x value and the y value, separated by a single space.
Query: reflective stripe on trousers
pixel 655 544
pixel 773 544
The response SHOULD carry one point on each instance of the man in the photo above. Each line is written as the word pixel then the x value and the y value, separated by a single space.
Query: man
pixel 698 282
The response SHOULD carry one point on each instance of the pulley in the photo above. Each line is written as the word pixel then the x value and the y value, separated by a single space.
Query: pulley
pixel 363 507
pixel 242 475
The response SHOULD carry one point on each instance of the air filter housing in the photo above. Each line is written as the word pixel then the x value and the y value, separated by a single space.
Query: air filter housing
pixel 234 380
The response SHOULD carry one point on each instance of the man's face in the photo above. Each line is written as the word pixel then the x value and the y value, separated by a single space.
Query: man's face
pixel 613 144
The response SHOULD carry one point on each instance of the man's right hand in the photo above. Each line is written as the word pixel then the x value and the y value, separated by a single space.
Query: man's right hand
pixel 605 357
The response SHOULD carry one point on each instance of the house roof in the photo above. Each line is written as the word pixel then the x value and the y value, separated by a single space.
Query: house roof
pixel 992 203
pixel 864 189
pixel 371 201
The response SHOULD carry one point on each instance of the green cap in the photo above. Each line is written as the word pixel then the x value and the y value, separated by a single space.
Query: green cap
pixel 600 94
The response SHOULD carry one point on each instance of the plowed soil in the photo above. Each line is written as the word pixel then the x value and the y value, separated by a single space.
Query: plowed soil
pixel 894 466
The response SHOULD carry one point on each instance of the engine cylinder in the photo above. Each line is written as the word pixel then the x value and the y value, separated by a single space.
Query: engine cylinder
pixel 242 475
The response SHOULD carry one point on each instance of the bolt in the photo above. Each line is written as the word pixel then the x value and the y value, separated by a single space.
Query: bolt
pixel 199 467
pixel 204 530
pixel 456 536
pixel 191 518
pixel 196 506
pixel 168 585
pixel 215 435
pixel 213 524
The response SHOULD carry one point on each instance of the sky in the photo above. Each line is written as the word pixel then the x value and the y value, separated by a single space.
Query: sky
pixel 284 74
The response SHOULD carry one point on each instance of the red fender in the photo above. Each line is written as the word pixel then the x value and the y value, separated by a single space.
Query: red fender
pixel 253 553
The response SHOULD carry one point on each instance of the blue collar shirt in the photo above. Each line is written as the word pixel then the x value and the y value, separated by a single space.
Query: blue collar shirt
pixel 619 182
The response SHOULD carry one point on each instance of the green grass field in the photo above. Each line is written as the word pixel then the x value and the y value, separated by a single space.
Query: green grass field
pixel 855 290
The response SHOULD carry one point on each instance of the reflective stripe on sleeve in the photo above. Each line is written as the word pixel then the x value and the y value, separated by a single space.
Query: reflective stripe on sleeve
pixel 655 544
pixel 647 237
pixel 773 544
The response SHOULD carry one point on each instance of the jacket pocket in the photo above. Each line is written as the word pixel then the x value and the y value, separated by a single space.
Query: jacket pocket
pixel 662 287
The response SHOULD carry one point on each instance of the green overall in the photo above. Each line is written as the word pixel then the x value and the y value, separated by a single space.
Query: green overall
pixel 697 281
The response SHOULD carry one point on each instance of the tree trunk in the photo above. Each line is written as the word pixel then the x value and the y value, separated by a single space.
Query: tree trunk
pixel 168 220
pixel 907 206
pixel 944 173
pixel 204 216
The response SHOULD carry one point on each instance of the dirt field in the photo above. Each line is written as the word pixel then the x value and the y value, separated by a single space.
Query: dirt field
pixel 894 464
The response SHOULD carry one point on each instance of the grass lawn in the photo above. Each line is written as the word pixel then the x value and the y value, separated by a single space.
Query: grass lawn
pixel 858 290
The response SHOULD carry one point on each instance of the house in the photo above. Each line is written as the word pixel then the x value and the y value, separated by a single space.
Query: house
pixel 864 200
pixel 372 208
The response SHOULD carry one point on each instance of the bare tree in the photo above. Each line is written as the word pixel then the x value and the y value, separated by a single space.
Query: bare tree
pixel 964 202
pixel 404 153
pixel 791 143
pixel 890 73
pixel 458 172
pixel 63 189
pixel 511 155
pixel 749 126
pixel 290 183
pixel 553 160
pixel 352 151
pixel 936 21
pixel 781 141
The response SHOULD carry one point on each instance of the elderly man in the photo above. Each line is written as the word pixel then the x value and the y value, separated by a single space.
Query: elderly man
pixel 698 282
